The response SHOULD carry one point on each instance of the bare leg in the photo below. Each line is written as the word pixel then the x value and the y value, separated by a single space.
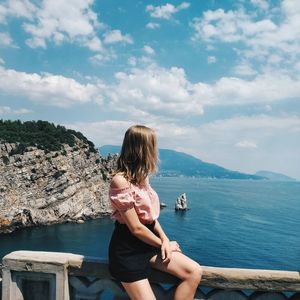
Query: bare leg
pixel 181 266
pixel 138 290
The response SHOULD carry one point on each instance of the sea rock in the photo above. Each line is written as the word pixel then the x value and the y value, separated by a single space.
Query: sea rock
pixel 181 202
pixel 40 187
pixel 163 205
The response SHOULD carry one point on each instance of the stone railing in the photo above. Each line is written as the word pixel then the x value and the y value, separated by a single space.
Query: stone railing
pixel 33 275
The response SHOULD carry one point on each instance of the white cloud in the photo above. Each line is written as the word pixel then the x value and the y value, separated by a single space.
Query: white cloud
pixel 144 92
pixel 158 90
pixel 155 90
pixel 71 21
pixel 6 40
pixel 216 142
pixel 47 89
pixel 36 42
pixel 276 137
pixel 58 22
pixel 274 59
pixel 145 61
pixel 231 26
pixel 268 108
pixel 255 129
pixel 3 13
pixel 211 60
pixel 112 131
pixel 16 8
pixel 100 58
pixel 6 110
pixel 210 47
pixel 265 88
pixel 152 90
pixel 273 33
pixel 246 144
pixel 132 61
pixel 115 36
pixel 244 69
pixel 152 25
pixel 262 4
pixel 166 11
pixel 297 66
pixel 94 44
pixel 103 132
pixel 149 50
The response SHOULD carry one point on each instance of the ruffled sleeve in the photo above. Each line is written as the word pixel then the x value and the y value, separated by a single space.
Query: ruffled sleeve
pixel 122 199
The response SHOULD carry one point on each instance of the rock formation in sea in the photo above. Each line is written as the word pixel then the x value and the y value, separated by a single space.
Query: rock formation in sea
pixel 40 187
pixel 181 202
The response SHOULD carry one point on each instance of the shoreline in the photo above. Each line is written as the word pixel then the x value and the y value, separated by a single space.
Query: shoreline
pixel 80 220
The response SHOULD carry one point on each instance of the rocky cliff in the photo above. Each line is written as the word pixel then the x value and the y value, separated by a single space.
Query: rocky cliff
pixel 45 187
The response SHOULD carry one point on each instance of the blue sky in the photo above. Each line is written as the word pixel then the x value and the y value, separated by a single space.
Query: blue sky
pixel 217 79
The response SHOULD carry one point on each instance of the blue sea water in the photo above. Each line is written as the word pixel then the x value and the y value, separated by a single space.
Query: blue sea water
pixel 231 223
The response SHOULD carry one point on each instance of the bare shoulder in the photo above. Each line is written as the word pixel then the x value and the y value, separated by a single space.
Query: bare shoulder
pixel 119 182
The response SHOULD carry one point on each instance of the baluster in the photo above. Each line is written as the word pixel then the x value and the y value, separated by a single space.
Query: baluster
pixel 267 296
pixel 228 295
pixel 126 297
pixel 199 295
pixel 296 296
pixel 85 289
pixel 159 291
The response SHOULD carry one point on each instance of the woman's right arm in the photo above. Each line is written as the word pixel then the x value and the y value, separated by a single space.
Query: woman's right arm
pixel 131 219
pixel 138 229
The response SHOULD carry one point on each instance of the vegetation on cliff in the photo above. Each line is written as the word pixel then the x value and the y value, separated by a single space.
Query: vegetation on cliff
pixel 41 134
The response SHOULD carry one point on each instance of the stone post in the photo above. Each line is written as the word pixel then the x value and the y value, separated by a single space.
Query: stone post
pixel 31 275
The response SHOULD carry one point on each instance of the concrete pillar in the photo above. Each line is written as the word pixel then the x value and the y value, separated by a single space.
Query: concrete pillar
pixel 31 275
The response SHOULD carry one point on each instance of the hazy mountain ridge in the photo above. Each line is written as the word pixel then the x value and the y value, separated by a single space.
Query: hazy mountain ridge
pixel 173 163
pixel 274 176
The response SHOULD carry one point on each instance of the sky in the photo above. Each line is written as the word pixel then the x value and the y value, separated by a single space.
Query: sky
pixel 217 79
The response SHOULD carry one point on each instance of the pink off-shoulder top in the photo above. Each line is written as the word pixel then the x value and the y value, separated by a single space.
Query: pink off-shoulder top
pixel 142 197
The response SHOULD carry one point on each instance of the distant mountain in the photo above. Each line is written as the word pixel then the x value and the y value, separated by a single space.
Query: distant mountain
pixel 173 163
pixel 109 149
pixel 274 176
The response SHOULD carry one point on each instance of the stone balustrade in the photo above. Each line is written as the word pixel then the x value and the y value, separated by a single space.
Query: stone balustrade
pixel 33 275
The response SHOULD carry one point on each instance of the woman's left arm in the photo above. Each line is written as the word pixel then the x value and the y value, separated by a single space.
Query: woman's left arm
pixel 160 232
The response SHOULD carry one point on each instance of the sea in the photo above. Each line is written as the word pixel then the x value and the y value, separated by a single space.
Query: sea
pixel 230 223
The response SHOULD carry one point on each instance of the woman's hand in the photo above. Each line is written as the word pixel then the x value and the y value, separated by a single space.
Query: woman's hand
pixel 167 248
pixel 166 251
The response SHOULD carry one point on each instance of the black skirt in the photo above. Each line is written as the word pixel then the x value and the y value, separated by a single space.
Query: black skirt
pixel 129 257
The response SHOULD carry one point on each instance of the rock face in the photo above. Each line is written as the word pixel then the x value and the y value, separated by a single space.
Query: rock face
pixel 181 202
pixel 41 187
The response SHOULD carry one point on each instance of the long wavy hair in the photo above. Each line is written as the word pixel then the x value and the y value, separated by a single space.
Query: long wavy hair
pixel 139 154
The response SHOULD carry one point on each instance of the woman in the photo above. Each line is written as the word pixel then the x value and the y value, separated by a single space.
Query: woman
pixel 138 241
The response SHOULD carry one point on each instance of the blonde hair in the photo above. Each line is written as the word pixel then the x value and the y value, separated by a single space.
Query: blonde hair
pixel 139 154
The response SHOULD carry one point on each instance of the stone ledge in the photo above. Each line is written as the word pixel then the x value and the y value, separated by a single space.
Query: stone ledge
pixel 51 258
pixel 221 278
